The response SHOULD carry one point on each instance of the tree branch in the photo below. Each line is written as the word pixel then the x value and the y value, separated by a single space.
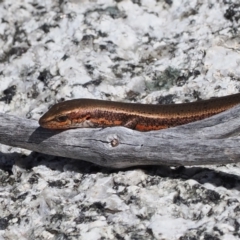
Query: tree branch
pixel 211 141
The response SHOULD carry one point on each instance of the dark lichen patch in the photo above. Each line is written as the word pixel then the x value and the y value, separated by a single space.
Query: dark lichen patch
pixel 117 235
pixel 3 223
pixel 166 99
pixel 169 2
pixel 196 95
pixel 108 46
pixel 93 82
pixel 90 68
pixel 196 194
pixel 57 184
pixel 164 79
pixel 200 233
pixel 22 196
pixel 138 2
pixel 132 95
pixel 113 12
pixel 82 218
pixel 127 69
pixel 17 51
pixel 34 179
pixel 65 57
pixel 44 76
pixel 232 13
pixel 98 206
pixel 87 40
pixel 19 45
pixel 181 81
pixel 4 178
pixel 46 27
pixel 56 218
pixel 33 92
pixel 8 94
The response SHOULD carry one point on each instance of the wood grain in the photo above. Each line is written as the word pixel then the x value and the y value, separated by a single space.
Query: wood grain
pixel 215 140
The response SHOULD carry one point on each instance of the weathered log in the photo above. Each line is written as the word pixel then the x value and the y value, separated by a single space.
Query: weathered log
pixel 214 140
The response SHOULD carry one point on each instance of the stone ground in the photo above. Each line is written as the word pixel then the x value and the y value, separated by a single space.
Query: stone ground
pixel 166 51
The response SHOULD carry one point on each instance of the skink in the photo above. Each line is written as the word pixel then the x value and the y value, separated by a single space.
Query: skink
pixel 81 113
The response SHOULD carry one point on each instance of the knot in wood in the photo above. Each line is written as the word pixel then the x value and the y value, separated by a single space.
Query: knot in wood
pixel 114 142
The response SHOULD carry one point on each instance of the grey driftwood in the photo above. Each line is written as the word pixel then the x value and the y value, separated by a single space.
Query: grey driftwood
pixel 215 140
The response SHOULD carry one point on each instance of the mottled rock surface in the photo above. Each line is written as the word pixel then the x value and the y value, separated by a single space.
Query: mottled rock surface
pixel 166 51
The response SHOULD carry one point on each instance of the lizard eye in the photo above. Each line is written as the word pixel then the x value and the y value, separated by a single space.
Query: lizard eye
pixel 61 118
